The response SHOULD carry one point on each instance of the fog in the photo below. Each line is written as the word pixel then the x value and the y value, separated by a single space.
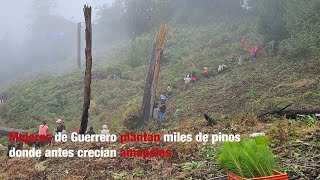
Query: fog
pixel 36 33
pixel 39 37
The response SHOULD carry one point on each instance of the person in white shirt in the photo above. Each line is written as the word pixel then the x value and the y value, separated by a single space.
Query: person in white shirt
pixel 187 81
pixel 221 67
pixel 105 130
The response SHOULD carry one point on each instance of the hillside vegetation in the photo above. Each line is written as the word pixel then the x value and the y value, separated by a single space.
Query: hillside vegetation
pixel 265 84
pixel 282 74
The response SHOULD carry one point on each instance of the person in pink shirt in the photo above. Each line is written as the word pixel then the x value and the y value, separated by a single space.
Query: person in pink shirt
pixel 43 128
pixel 243 42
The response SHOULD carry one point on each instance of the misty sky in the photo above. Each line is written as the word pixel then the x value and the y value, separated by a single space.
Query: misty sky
pixel 15 14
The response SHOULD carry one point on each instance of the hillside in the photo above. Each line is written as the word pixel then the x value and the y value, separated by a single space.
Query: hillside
pixel 268 83
pixel 232 98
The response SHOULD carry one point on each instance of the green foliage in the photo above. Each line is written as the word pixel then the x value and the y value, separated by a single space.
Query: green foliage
pixel 310 120
pixel 303 23
pixel 247 158
pixel 139 53
pixel 224 117
pixel 193 165
pixel 138 17
pixel 270 22
pixel 269 48
pixel 210 45
pixel 138 173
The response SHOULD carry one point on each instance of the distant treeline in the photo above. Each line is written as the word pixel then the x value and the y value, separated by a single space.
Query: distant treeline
pixel 292 25
pixel 289 27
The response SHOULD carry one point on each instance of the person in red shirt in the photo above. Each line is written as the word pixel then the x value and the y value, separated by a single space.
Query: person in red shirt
pixel 43 128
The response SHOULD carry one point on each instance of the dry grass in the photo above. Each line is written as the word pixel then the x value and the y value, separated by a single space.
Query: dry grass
pixel 279 131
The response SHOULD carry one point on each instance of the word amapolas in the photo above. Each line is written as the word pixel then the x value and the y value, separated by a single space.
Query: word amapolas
pixel 75 137
pixel 15 136
pixel 139 137
pixel 145 153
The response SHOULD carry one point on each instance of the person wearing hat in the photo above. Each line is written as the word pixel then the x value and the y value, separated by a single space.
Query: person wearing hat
pixel 60 126
pixel 43 128
pixel 206 72
pixel 105 130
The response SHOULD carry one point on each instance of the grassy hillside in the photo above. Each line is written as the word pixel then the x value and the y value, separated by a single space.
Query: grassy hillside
pixel 266 84
pixel 232 98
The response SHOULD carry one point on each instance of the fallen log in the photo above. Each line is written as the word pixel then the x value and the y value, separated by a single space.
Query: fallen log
pixel 290 114
pixel 293 113
pixel 268 114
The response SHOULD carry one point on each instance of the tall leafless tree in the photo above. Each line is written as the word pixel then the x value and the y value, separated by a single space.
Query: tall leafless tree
pixel 87 78
pixel 153 74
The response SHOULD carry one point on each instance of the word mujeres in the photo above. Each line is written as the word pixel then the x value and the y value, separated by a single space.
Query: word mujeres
pixel 26 138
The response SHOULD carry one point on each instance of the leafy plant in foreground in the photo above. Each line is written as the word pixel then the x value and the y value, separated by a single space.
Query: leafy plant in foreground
pixel 310 120
pixel 193 165
pixel 247 158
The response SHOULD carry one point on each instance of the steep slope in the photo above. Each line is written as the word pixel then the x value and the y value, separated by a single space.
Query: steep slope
pixel 267 83
pixel 232 98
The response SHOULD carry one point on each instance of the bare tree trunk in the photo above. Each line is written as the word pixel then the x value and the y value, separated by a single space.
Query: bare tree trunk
pixel 153 74
pixel 155 79
pixel 87 78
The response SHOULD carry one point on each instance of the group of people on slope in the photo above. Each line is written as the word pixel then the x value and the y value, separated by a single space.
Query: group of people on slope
pixel 61 129
pixel 104 131
pixel 43 128
pixel 159 110
pixel 253 52
pixel 193 78
pixel 189 78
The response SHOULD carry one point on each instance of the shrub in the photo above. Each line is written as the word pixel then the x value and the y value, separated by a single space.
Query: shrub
pixel 310 120
pixel 247 158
